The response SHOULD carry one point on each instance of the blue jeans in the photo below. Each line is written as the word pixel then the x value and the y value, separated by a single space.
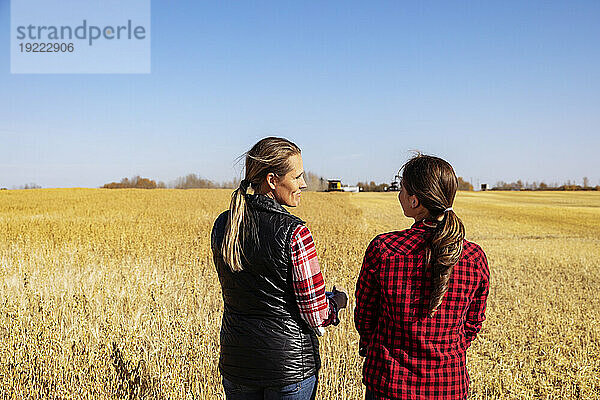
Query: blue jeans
pixel 304 390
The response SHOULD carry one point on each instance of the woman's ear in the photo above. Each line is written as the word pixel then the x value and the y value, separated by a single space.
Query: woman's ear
pixel 271 180
pixel 414 202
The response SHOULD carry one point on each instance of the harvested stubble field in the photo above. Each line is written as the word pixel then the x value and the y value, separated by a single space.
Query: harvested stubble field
pixel 112 294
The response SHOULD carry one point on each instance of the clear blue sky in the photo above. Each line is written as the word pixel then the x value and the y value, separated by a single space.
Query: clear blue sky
pixel 504 92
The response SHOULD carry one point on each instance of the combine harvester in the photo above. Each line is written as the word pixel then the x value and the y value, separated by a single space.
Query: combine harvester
pixel 394 185
pixel 335 185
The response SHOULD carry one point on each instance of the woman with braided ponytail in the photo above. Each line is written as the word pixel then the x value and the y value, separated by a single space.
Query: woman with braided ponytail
pixel 275 304
pixel 421 294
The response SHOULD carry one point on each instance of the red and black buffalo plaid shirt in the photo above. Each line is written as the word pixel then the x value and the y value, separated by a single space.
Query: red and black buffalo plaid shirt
pixel 410 355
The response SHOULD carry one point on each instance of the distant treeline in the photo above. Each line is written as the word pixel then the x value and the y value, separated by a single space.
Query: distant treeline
pixel 316 183
pixel 372 186
pixel 519 185
pixel 191 181
pixel 384 187
pixel 137 182
pixel 26 186
pixel 194 181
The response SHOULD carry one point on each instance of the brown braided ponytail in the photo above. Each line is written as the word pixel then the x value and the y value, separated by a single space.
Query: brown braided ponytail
pixel 434 183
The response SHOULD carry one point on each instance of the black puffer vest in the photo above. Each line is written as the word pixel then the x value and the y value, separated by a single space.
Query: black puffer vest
pixel 264 342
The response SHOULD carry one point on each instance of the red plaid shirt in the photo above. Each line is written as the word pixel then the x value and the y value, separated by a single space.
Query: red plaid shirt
pixel 308 283
pixel 408 354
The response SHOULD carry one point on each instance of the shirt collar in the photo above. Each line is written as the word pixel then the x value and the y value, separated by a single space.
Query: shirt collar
pixel 264 202
pixel 423 225
pixel 267 203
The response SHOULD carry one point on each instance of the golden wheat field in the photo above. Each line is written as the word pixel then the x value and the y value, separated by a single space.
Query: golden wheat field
pixel 108 294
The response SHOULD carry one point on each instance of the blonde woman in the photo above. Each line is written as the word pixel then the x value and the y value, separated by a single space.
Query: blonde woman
pixel 274 296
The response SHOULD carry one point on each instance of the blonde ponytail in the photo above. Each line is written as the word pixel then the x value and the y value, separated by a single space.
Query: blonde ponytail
pixel 232 248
